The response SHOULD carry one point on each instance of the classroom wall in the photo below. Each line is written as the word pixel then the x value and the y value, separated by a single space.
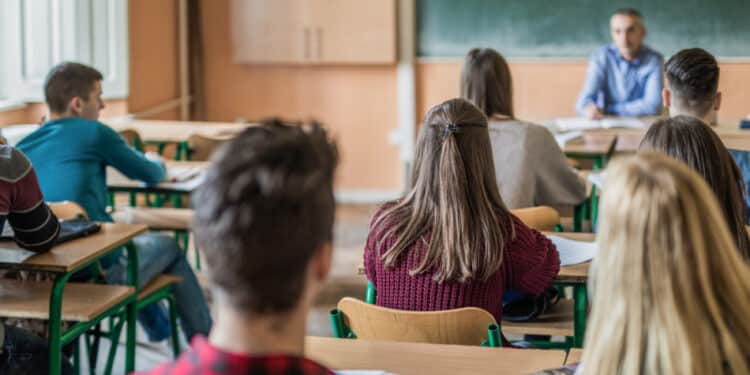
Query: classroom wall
pixel 548 89
pixel 357 103
pixel 153 56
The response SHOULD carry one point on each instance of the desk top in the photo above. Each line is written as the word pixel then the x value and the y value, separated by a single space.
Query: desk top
pixel 591 144
pixel 436 359
pixel 576 273
pixel 179 131
pixel 574 356
pixel 73 255
pixel 117 181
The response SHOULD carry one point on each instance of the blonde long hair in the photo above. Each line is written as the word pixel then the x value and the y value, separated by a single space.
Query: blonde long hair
pixel 670 291
pixel 455 199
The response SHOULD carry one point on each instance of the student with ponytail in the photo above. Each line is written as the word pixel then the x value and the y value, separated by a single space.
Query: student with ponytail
pixel 451 242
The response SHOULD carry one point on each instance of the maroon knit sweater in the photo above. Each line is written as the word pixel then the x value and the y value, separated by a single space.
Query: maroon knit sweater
pixel 530 263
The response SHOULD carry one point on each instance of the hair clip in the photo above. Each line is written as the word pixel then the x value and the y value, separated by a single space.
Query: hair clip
pixel 451 128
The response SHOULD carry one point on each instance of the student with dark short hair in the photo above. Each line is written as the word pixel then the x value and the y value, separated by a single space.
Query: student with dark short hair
pixel 264 219
pixel 693 90
pixel 690 141
pixel 71 152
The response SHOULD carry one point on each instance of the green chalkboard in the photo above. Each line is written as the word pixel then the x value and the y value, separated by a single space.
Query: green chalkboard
pixel 574 28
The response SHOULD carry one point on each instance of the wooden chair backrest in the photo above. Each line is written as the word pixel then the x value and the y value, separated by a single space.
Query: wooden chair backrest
pixel 464 326
pixel 542 218
pixel 131 137
pixel 201 146
pixel 67 210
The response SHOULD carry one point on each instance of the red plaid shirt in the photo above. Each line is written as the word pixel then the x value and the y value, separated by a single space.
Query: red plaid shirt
pixel 204 358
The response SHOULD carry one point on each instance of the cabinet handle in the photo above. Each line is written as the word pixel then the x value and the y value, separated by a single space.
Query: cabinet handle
pixel 306 43
pixel 319 40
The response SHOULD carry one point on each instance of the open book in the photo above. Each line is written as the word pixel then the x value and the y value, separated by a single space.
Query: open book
pixel 573 252
pixel 567 124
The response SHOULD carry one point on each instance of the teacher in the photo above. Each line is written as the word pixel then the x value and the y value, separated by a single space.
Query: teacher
pixel 624 78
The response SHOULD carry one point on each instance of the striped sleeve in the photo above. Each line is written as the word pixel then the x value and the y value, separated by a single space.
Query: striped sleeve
pixel 35 226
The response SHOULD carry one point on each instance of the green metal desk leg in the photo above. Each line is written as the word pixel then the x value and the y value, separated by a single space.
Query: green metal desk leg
pixel 580 309
pixel 131 309
pixel 183 150
pixel 598 165
pixel 55 323
pixel 371 294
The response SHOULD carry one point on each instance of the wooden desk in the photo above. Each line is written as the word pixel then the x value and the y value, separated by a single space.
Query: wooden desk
pixel 574 356
pixel 117 182
pixel 435 359
pixel 152 131
pixel 591 145
pixel 75 255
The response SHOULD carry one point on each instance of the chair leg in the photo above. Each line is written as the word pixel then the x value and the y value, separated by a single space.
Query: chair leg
pixel 371 294
pixel 493 336
pixel 337 324
pixel 175 328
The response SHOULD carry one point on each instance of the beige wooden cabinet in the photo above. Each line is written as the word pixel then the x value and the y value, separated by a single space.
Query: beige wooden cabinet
pixel 314 31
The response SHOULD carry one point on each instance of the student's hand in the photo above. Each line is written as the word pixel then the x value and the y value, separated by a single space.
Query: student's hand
pixel 593 112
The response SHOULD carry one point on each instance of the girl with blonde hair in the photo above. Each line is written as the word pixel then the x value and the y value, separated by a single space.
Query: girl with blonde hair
pixel 670 290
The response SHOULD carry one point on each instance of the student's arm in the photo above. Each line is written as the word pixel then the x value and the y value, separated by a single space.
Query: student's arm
pixel 532 261
pixel 650 103
pixel 556 182
pixel 595 82
pixel 126 159
pixel 35 226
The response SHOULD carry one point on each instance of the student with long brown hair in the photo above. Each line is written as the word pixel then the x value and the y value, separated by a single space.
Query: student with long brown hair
pixel 689 140
pixel 451 242
pixel 669 289
pixel 531 169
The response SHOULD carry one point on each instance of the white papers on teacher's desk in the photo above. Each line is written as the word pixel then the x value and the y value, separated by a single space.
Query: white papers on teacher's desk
pixel 567 124
pixel 573 252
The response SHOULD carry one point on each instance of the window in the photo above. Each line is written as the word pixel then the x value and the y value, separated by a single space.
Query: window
pixel 37 34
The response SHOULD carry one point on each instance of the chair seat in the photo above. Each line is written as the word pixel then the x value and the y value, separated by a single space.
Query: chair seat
pixel 157 283
pixel 558 321
pixel 155 218
pixel 82 302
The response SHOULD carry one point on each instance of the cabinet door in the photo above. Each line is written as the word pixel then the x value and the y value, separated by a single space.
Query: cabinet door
pixel 352 31
pixel 269 31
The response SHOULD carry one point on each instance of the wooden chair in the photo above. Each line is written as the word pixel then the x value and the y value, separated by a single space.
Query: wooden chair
pixel 200 147
pixel 156 290
pixel 542 218
pixel 132 138
pixel 464 326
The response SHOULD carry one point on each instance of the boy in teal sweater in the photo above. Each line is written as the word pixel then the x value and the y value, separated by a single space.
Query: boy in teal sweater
pixel 70 153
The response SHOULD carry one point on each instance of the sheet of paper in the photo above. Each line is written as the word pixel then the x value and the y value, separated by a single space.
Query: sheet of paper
pixel 563 138
pixel 623 122
pixel 190 184
pixel 362 372
pixel 573 252
pixel 14 255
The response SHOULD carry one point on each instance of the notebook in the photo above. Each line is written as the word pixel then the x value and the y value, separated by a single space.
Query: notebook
pixel 69 230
